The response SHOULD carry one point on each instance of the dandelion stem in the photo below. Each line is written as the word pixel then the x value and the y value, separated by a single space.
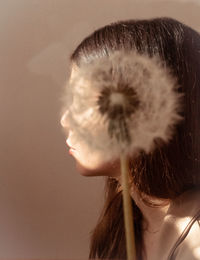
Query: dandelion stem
pixel 127 207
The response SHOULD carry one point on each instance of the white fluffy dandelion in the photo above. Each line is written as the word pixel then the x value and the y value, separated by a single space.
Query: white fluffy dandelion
pixel 118 105
pixel 122 103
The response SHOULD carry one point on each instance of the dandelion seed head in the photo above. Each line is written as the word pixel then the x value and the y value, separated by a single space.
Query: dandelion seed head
pixel 122 103
pixel 117 98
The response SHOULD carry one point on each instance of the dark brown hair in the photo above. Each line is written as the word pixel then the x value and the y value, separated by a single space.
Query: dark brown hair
pixel 170 169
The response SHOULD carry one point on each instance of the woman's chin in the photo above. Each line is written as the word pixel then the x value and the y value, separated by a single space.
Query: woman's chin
pixel 86 171
pixel 111 169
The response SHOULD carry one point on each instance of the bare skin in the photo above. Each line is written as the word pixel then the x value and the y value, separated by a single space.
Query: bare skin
pixel 153 220
pixel 153 216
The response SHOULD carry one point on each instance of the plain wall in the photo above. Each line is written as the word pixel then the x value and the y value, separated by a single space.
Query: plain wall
pixel 47 209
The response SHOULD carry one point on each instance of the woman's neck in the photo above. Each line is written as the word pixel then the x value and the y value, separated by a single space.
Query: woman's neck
pixel 153 215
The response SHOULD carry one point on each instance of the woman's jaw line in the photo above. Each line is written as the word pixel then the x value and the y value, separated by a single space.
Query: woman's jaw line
pixel 109 169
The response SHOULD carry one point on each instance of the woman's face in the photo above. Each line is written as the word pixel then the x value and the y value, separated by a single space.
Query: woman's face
pixel 88 164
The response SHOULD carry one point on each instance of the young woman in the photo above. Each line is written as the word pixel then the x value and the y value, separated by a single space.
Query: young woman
pixel 165 183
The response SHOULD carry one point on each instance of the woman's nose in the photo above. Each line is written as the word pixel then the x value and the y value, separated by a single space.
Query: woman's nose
pixel 63 120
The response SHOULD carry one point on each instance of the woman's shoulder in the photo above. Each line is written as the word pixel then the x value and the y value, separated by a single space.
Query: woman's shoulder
pixel 185 215
pixel 188 247
pixel 180 232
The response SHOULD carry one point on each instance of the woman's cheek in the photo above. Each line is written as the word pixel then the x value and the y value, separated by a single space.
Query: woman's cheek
pixel 91 163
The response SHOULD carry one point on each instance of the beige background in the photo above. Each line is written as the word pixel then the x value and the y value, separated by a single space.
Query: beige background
pixel 46 208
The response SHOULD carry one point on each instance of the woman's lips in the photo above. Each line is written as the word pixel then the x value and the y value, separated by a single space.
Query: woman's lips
pixel 71 149
pixel 68 143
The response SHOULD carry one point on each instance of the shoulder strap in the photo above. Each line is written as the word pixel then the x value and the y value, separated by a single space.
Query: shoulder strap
pixel 184 234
